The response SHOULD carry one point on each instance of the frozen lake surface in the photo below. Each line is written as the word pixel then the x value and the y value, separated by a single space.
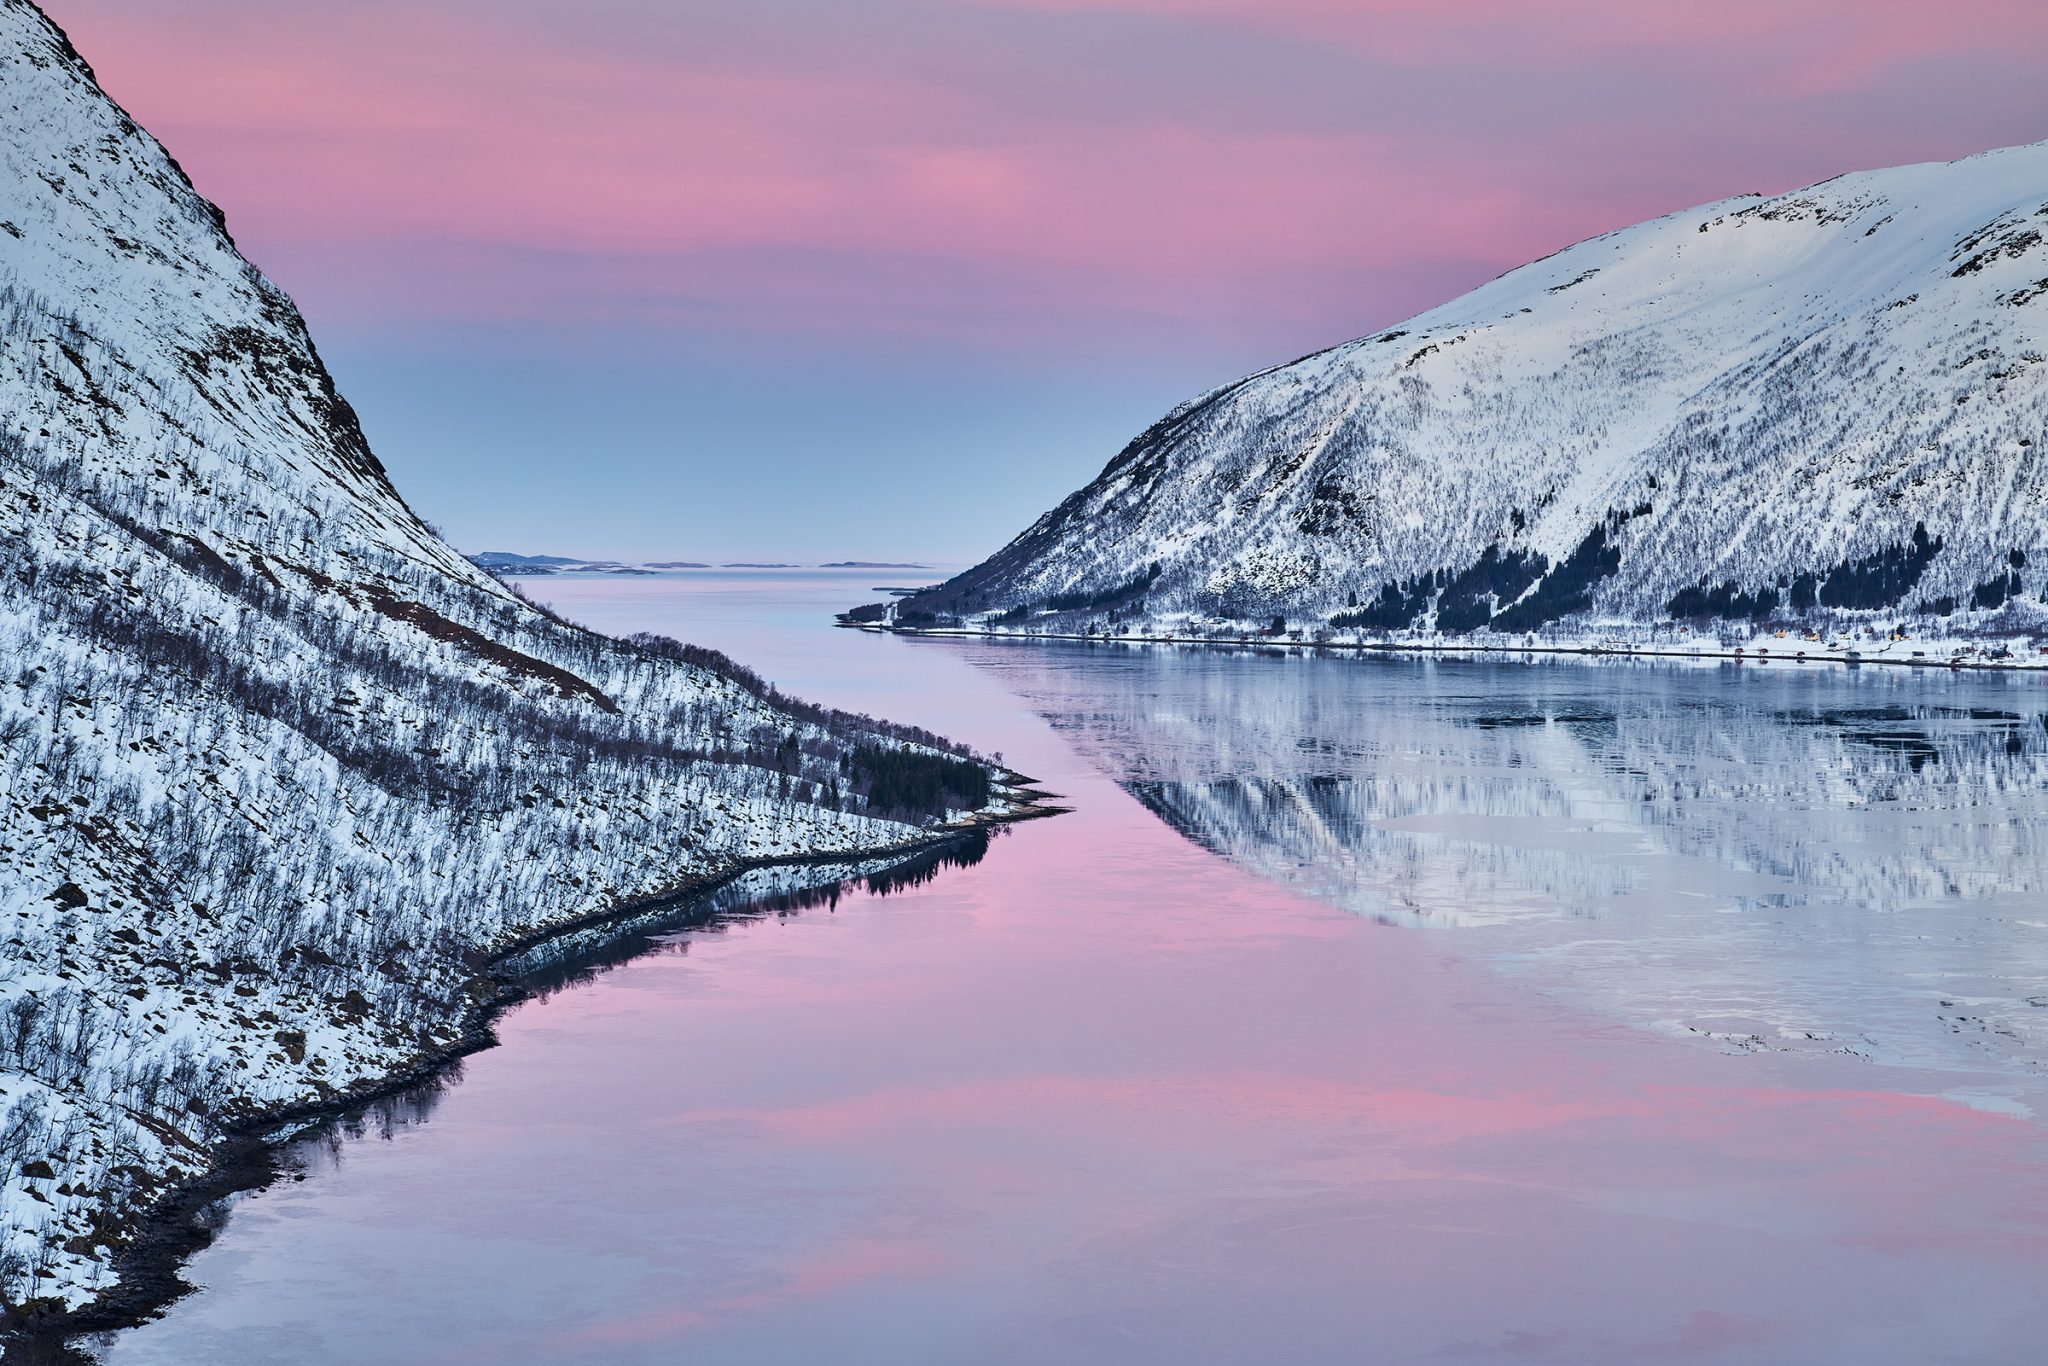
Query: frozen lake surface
pixel 1364 1010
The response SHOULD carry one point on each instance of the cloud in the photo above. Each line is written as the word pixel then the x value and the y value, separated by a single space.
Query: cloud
pixel 989 169
pixel 1818 46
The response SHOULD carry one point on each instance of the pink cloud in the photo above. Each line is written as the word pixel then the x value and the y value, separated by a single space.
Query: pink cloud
pixel 1797 48
pixel 636 162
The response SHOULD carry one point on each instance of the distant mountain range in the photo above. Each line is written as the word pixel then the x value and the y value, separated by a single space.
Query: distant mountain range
pixel 505 559
pixel 1820 412
pixel 504 564
pixel 508 565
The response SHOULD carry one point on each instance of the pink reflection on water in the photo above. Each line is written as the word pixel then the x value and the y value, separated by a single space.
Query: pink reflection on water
pixel 1104 1098
pixel 1269 1103
pixel 844 1266
pixel 1085 1027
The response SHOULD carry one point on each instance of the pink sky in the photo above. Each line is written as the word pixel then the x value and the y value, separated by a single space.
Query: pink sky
pixel 1140 159
pixel 1211 185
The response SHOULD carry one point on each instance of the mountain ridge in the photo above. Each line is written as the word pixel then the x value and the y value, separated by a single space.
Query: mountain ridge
pixel 1820 409
pixel 280 770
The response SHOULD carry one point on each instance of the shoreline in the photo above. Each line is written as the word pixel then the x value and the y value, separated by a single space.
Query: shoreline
pixel 165 1236
pixel 1737 654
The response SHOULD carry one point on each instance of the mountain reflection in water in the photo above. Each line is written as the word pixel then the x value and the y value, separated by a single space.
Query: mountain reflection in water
pixel 1838 860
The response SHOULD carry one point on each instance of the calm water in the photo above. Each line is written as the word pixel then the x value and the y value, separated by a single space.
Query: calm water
pixel 1364 1011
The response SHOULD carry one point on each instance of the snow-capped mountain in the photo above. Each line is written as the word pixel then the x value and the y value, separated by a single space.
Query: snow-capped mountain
pixel 1827 407
pixel 279 769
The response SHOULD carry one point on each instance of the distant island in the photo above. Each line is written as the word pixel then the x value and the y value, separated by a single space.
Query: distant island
pixel 507 564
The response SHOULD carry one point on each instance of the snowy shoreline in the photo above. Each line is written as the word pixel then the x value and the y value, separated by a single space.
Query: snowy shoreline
pixel 161 1238
pixel 1945 654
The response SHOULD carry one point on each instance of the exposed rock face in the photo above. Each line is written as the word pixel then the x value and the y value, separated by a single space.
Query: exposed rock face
pixel 1829 406
pixel 279 768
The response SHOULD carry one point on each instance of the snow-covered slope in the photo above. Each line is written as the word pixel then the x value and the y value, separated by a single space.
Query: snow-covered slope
pixel 1827 407
pixel 279 770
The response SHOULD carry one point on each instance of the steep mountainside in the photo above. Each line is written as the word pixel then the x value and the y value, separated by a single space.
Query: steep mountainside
pixel 279 770
pixel 1825 408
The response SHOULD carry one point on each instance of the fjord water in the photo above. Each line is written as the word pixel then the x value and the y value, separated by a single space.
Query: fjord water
pixel 1363 1010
